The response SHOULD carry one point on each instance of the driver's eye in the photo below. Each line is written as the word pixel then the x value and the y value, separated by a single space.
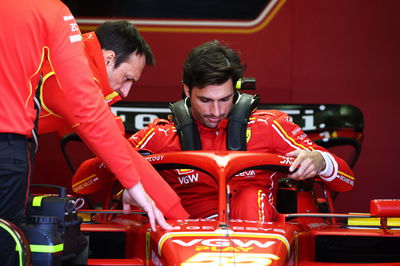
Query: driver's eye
pixel 225 99
pixel 204 100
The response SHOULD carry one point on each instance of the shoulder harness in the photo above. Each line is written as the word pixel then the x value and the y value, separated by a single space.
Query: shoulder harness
pixel 237 123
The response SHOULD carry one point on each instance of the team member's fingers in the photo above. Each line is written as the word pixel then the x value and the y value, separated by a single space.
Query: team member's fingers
pixel 138 195
pixel 161 220
pixel 150 214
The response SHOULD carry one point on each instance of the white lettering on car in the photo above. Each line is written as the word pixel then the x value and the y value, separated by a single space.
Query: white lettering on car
pixel 286 160
pixel 250 173
pixel 155 158
pixel 186 244
pixel 230 258
pixel 224 243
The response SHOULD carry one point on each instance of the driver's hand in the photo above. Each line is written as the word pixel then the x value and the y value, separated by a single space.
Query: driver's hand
pixel 136 195
pixel 309 164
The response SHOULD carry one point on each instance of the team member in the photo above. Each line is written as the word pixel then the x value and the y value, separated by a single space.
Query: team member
pixel 117 54
pixel 49 27
pixel 209 74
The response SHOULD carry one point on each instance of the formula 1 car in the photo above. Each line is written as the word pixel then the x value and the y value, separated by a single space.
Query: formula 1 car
pixel 306 233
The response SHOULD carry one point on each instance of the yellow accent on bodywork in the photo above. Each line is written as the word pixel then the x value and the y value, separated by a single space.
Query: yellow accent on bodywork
pixel 47 248
pixel 37 200
pixel 373 221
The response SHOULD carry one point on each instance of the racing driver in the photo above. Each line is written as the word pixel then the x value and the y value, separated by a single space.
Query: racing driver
pixel 209 74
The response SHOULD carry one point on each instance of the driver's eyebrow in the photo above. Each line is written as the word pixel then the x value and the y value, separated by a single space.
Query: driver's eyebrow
pixel 227 97
pixel 209 99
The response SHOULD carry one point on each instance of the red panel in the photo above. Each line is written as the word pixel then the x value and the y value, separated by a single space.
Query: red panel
pixel 385 208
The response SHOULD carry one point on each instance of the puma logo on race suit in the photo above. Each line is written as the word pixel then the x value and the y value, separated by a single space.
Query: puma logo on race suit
pixel 163 130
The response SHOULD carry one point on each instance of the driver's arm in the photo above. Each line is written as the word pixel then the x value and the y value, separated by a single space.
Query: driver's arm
pixel 311 159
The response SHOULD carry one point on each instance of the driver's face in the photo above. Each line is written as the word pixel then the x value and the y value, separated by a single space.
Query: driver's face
pixel 212 103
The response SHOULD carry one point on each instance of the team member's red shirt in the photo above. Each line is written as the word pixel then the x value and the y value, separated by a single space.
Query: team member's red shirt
pixel 268 131
pixel 30 28
pixel 55 115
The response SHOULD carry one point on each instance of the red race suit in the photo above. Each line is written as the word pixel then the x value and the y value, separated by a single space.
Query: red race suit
pixel 55 116
pixel 253 191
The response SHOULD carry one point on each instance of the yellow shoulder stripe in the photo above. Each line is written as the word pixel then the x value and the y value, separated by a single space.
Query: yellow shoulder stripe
pixel 290 138
pixel 144 138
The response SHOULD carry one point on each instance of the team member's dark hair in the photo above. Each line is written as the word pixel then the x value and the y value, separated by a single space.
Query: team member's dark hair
pixel 124 39
pixel 211 63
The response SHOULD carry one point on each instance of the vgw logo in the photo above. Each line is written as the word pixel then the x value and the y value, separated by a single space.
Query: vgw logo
pixel 224 243
pixel 188 178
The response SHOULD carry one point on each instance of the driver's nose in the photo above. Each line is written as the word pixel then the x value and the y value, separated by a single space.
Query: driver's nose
pixel 216 109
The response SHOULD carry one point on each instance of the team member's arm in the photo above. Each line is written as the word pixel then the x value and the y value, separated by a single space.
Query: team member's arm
pixel 163 195
pixel 97 126
pixel 56 115
pixel 155 138
pixel 311 159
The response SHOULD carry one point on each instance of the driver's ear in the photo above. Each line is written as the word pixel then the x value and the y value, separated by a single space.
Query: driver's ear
pixel 186 90
pixel 109 57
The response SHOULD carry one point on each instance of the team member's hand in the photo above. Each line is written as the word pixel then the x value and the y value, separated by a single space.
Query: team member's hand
pixel 309 164
pixel 137 195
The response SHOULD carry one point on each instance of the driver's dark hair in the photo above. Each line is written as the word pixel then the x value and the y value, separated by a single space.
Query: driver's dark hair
pixel 123 38
pixel 211 63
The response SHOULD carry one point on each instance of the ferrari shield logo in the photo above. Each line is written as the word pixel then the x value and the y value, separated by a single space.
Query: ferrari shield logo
pixel 248 135
pixel 184 171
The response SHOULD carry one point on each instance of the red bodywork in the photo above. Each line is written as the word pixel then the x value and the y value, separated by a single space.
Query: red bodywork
pixel 300 238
